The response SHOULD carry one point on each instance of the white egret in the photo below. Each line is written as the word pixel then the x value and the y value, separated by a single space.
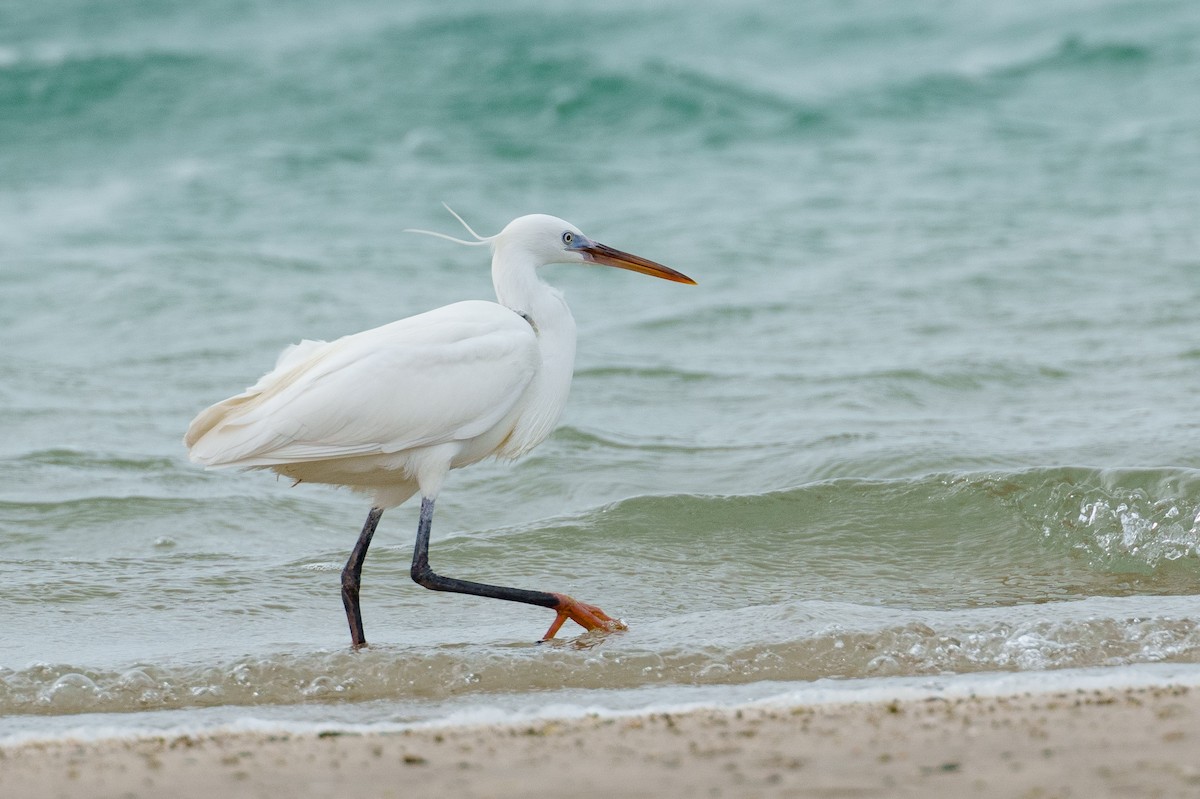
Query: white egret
pixel 390 411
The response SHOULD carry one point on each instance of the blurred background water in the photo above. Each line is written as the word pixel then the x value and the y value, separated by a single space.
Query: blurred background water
pixel 931 409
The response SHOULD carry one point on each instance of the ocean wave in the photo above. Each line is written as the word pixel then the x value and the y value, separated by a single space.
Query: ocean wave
pixel 1135 521
pixel 1074 51
pixel 960 376
pixel 86 459
pixel 472 80
pixel 645 373
pixel 96 509
pixel 1116 531
pixel 948 89
pixel 33 90
pixel 964 572
pixel 789 642
pixel 479 75
pixel 1119 521
pixel 586 438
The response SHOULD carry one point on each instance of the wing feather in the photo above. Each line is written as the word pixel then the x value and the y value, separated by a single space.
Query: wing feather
pixel 446 375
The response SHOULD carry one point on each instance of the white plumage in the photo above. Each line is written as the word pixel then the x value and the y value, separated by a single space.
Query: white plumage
pixel 391 410
pixel 366 410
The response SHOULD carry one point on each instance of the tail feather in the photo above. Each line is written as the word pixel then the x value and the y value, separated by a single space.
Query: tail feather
pixel 203 439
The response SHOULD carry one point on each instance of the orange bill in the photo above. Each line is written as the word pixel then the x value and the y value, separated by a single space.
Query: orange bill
pixel 607 256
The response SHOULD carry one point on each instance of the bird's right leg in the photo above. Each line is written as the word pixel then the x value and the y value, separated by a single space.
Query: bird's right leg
pixel 587 616
pixel 351 576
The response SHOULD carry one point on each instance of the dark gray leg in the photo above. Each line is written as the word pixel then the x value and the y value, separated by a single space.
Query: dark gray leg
pixel 588 616
pixel 423 574
pixel 351 577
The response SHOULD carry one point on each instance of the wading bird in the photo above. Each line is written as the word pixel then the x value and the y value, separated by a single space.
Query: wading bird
pixel 390 411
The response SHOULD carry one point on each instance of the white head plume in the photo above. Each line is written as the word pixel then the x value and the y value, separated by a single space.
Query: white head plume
pixel 479 240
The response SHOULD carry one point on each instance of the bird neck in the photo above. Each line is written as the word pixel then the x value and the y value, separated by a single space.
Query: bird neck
pixel 518 287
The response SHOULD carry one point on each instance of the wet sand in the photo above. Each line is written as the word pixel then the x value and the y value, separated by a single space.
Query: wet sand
pixel 1120 742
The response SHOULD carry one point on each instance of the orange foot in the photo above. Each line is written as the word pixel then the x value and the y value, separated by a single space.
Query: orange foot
pixel 587 616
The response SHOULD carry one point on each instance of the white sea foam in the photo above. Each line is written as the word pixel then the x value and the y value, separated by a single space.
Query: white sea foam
pixel 517 710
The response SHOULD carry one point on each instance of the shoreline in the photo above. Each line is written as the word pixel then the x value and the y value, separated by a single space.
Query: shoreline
pixel 1131 741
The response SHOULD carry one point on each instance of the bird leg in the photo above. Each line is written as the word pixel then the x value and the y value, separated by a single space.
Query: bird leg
pixel 587 616
pixel 351 577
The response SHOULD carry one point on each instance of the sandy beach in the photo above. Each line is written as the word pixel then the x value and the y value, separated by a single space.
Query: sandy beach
pixel 1122 742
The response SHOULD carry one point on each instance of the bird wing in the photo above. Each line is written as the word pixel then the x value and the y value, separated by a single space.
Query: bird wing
pixel 446 375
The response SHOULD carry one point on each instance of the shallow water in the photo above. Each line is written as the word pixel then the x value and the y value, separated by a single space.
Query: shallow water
pixel 930 410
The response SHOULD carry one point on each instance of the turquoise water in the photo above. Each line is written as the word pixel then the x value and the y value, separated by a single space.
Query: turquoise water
pixel 930 410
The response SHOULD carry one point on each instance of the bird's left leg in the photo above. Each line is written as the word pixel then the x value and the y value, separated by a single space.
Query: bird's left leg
pixel 352 576
pixel 587 616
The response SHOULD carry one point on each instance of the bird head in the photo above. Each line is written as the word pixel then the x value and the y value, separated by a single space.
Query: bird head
pixel 551 240
pixel 545 239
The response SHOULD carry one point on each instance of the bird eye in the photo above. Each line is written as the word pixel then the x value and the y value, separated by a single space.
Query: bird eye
pixel 568 237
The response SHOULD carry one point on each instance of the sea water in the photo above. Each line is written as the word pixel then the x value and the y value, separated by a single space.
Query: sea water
pixel 930 412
